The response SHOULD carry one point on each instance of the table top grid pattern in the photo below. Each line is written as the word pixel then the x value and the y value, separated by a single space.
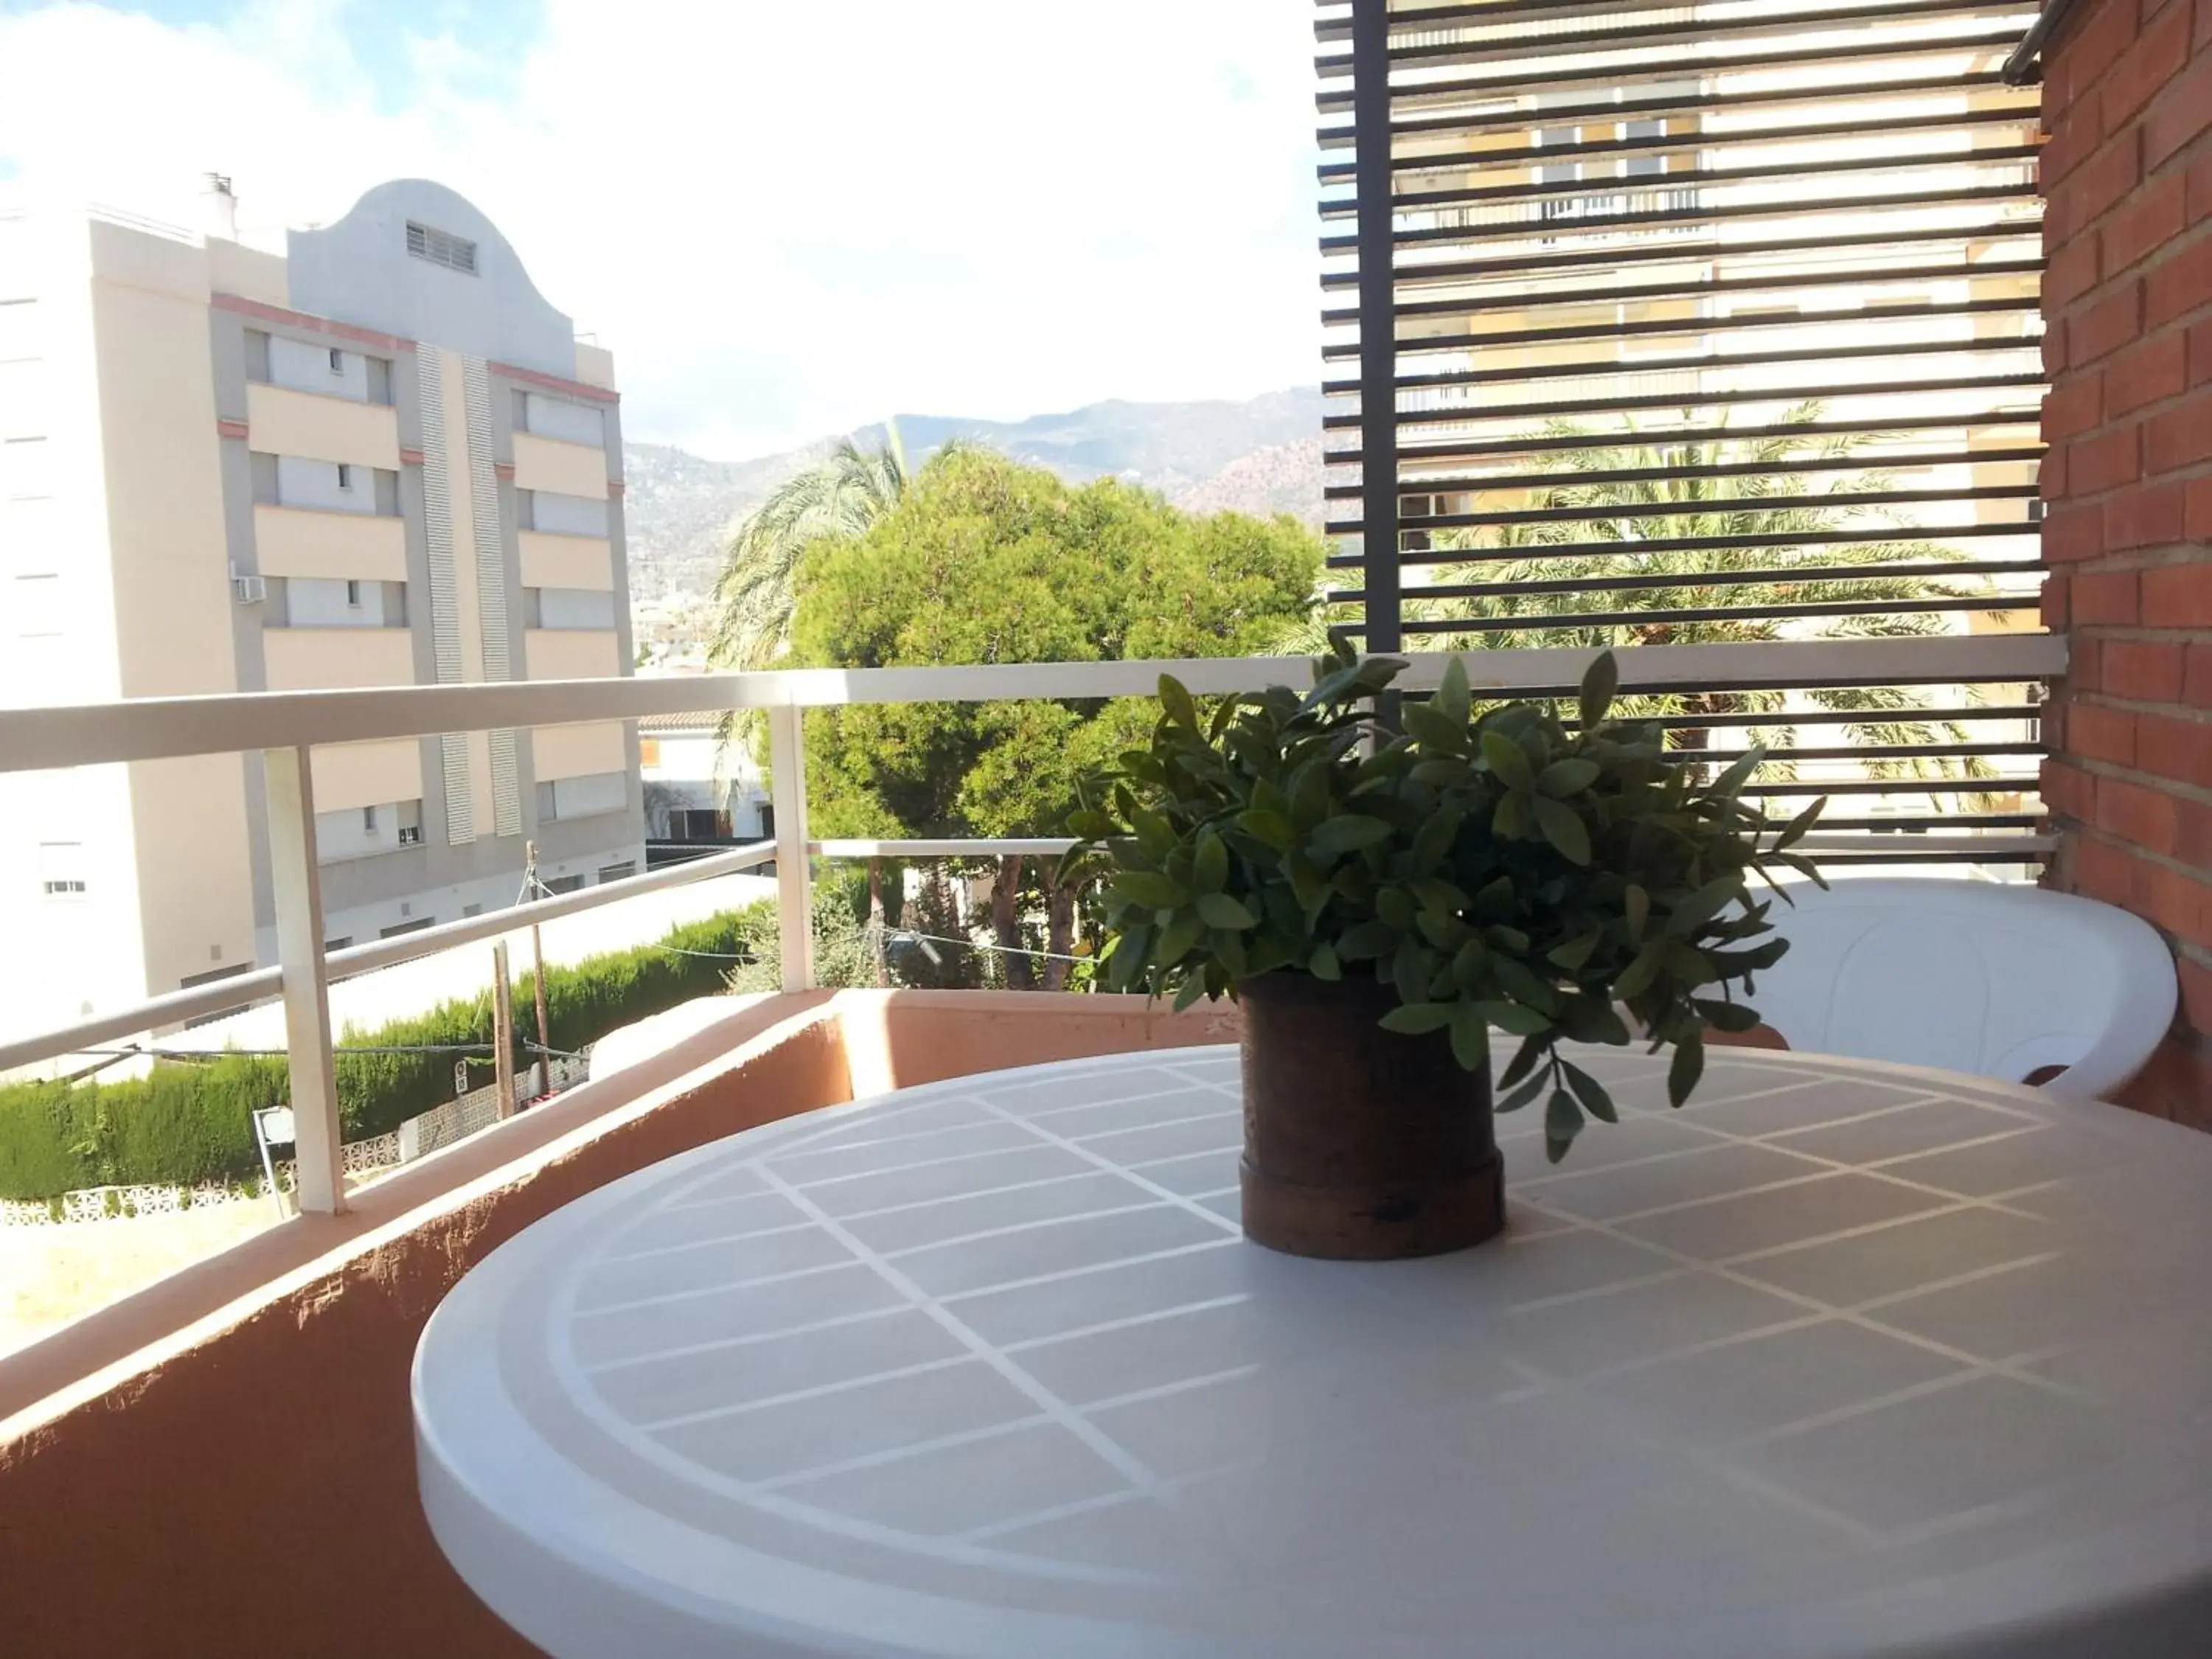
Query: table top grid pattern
pixel 1009 1323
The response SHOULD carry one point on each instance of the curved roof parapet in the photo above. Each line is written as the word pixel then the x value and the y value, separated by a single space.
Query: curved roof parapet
pixel 413 258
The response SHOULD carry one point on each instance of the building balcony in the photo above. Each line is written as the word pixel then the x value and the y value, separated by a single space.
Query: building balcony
pixel 338 659
pixel 282 422
pixel 295 541
pixel 559 467
pixel 253 1409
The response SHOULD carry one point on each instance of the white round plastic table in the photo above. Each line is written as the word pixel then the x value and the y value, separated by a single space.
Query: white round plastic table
pixel 1842 1359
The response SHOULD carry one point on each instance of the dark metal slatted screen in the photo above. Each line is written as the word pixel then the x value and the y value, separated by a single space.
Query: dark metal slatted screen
pixel 1692 324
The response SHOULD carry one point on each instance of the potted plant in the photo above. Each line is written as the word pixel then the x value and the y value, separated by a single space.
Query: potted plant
pixel 1380 901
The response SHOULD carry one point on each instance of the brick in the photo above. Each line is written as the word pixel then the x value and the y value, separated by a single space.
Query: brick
pixel 2074 136
pixel 2154 217
pixel 2095 43
pixel 2200 188
pixel 2159 51
pixel 2194 847
pixel 2149 371
pixel 2073 532
pixel 2104 597
pixel 2067 791
pixel 2178 438
pixel 2085 663
pixel 2102 871
pixel 2200 36
pixel 2051 477
pixel 2095 733
pixel 2177 284
pixel 2196 688
pixel 2143 817
pixel 2054 353
pixel 2074 406
pixel 2103 462
pixel 2196 994
pixel 2177 750
pixel 2179 113
pixel 2141 671
pixel 2150 516
pixel 2197 511
pixel 2178 595
pixel 2176 1085
pixel 2174 901
pixel 2071 272
pixel 2103 326
pixel 2052 607
pixel 2200 353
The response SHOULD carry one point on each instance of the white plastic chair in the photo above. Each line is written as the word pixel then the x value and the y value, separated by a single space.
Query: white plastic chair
pixel 2000 982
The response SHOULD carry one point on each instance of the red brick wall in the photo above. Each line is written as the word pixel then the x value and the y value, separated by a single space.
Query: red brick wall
pixel 2127 178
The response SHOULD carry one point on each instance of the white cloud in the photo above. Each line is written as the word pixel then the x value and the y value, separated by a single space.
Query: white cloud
pixel 784 220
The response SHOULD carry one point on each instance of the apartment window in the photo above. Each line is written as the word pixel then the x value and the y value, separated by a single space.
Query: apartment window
pixel 410 823
pixel 341 943
pixel 621 872
pixel 565 884
pixel 368 820
pixel 345 475
pixel 468 910
pixel 441 248
pixel 353 596
pixel 337 361
pixel 414 926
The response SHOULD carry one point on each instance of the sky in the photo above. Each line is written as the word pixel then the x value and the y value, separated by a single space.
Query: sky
pixel 786 220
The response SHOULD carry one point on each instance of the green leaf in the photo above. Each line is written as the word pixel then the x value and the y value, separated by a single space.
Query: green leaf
pixel 1323 964
pixel 1739 774
pixel 1521 1096
pixel 1637 977
pixel 1686 1068
pixel 1600 685
pixel 1563 1121
pixel 1514 1019
pixel 1511 821
pixel 1265 825
pixel 1470 1037
pixel 1366 940
pixel 1531 1052
pixel 1638 905
pixel 1432 728
pixel 1348 832
pixel 1419 1018
pixel 1728 1016
pixel 1192 989
pixel 1219 910
pixel 1454 700
pixel 1792 833
pixel 1148 889
pixel 1156 836
pixel 1563 827
pixel 1589 1091
pixel 1469 966
pixel 1507 759
pixel 1209 868
pixel 1176 701
pixel 1563 778
pixel 1575 952
pixel 1495 900
pixel 1524 987
pixel 1702 905
pixel 1176 939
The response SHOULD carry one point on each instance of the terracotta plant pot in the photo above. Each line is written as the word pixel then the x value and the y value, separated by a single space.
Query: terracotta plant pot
pixel 1360 1143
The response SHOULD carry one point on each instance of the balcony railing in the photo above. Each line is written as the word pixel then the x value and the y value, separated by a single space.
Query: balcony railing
pixel 284 726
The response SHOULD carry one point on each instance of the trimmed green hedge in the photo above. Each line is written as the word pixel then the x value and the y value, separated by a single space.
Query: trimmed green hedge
pixel 188 1121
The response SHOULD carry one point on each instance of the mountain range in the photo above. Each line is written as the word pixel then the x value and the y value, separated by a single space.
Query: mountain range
pixel 1260 455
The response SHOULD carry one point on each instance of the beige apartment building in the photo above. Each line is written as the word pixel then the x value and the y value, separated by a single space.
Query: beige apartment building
pixel 378 458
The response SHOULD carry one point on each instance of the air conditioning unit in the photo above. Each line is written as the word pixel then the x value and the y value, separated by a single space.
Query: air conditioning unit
pixel 410 834
pixel 247 589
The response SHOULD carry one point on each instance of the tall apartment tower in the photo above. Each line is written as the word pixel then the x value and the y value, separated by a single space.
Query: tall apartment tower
pixel 378 459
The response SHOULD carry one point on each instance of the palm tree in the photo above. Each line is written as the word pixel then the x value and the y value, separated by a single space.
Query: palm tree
pixel 841 497
pixel 838 497
pixel 1657 508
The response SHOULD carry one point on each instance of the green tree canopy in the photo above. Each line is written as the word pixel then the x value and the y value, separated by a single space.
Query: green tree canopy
pixel 986 559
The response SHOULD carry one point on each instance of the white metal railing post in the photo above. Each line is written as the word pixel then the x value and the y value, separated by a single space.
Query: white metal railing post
pixel 794 914
pixel 317 1150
